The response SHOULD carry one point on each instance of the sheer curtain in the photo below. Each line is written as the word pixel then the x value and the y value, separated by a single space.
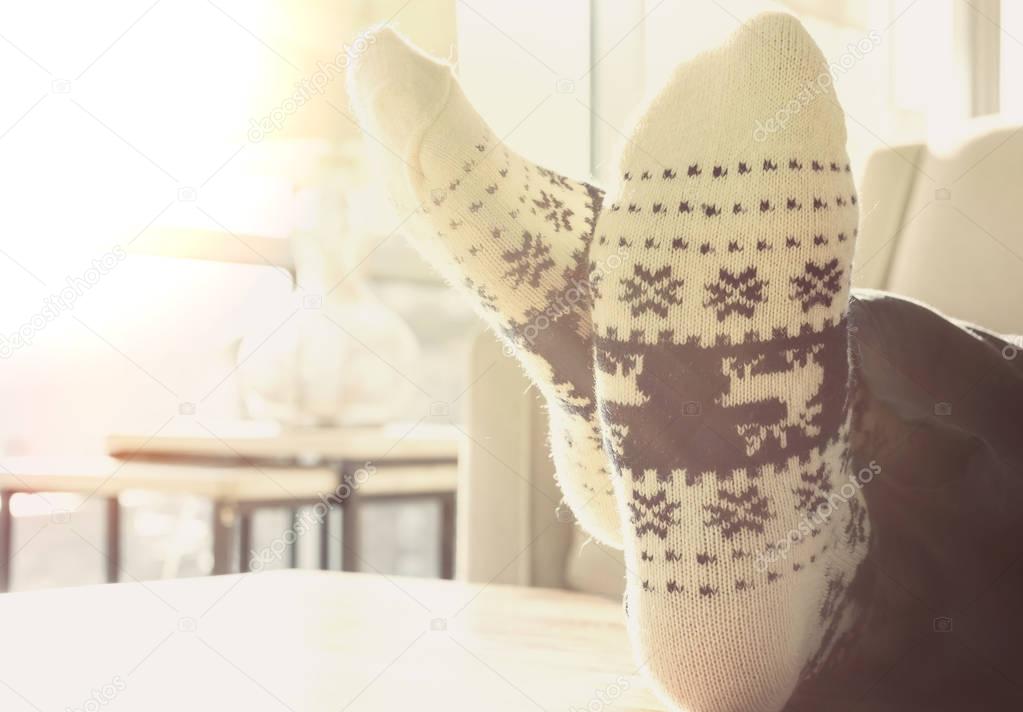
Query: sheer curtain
pixel 905 70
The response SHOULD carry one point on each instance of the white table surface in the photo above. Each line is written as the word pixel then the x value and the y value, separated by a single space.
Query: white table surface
pixel 315 641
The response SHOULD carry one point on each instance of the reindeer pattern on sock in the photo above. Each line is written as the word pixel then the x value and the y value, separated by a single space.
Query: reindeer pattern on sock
pixel 729 408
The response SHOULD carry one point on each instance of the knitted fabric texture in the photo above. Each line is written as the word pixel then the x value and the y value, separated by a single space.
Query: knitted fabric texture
pixel 702 366
pixel 513 236
pixel 723 375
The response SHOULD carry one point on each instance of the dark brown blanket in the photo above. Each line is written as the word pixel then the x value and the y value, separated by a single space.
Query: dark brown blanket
pixel 940 414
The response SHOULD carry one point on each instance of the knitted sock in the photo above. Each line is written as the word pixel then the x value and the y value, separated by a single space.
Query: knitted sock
pixel 514 236
pixel 723 374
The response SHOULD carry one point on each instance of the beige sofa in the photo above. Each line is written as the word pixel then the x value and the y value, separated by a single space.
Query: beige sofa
pixel 938 223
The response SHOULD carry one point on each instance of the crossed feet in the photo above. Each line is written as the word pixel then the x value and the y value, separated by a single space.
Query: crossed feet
pixel 688 332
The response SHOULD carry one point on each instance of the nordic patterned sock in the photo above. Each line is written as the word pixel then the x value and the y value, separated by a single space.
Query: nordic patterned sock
pixel 513 235
pixel 723 375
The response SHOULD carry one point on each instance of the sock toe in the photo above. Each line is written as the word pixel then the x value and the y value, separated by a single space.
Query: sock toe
pixel 397 92
pixel 780 96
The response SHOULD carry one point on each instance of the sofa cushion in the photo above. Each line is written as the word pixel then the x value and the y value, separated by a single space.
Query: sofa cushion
pixel 961 245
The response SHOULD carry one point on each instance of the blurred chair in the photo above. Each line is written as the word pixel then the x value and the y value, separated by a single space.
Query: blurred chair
pixel 937 224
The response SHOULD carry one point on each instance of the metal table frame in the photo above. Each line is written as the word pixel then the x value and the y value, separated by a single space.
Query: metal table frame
pixel 232 522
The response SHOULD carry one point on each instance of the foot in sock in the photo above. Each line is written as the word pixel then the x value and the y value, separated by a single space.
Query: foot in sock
pixel 723 376
pixel 514 236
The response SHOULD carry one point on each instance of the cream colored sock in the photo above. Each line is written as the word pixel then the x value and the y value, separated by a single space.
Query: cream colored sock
pixel 723 374
pixel 513 235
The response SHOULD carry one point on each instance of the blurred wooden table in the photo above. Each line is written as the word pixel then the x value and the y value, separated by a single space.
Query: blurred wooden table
pixel 409 462
pixel 304 641
pixel 234 491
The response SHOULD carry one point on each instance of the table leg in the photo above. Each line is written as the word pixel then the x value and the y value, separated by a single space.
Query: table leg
pixel 113 515
pixel 6 534
pixel 223 523
pixel 350 532
pixel 325 541
pixel 245 541
pixel 447 535
pixel 293 548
